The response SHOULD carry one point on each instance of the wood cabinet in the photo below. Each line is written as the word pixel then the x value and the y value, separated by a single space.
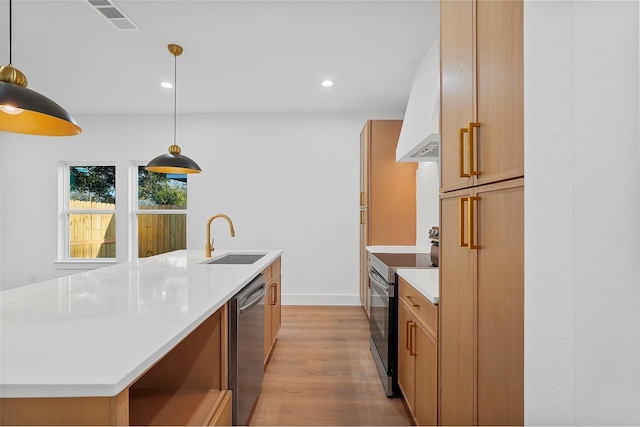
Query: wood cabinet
pixel 418 354
pixel 188 386
pixel 482 92
pixel 457 319
pixel 406 361
pixel 364 224
pixel 482 305
pixel 272 307
pixel 481 341
pixel 387 194
pixel 222 417
pixel 183 388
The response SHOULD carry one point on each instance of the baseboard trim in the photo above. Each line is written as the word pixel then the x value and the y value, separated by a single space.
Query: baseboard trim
pixel 289 299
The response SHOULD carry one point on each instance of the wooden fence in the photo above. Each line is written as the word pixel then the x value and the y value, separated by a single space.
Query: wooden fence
pixel 94 235
pixel 160 233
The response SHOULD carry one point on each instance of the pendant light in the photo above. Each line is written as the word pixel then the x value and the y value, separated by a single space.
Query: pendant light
pixel 23 110
pixel 173 161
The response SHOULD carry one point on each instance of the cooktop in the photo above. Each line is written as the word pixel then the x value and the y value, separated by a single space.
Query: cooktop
pixel 386 264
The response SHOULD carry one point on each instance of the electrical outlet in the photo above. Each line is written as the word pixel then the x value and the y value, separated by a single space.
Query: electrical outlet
pixel 32 277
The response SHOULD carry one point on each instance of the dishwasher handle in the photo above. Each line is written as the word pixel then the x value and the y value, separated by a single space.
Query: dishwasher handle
pixel 253 299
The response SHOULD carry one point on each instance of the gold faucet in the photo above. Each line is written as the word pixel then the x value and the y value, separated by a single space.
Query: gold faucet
pixel 209 247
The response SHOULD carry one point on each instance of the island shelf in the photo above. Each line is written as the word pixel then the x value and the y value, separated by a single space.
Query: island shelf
pixel 188 386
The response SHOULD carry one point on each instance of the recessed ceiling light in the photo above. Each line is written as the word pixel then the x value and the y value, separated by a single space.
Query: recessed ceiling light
pixel 166 85
pixel 327 83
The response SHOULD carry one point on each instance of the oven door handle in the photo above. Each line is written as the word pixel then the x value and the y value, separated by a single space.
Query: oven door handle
pixel 379 282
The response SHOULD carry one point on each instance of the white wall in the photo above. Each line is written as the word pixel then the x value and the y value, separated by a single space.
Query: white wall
pixel 286 181
pixel 421 122
pixel 582 208
pixel 427 201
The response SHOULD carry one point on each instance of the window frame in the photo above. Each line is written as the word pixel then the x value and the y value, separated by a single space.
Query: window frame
pixel 135 211
pixel 64 260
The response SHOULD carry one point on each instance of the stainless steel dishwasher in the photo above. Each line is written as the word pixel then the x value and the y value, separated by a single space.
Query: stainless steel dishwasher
pixel 246 348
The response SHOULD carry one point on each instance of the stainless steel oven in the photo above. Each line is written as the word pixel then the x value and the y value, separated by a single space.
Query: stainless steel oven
pixel 382 323
pixel 383 314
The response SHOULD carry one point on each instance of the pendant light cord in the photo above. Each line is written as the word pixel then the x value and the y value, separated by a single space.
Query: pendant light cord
pixel 175 95
pixel 10 31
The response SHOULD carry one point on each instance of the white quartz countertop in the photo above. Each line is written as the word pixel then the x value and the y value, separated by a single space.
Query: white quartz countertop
pixel 425 280
pixel 394 249
pixel 94 333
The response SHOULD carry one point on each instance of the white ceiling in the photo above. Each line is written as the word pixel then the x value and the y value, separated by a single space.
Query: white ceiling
pixel 239 56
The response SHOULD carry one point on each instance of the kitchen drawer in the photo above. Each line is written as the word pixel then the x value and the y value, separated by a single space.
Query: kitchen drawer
pixel 420 306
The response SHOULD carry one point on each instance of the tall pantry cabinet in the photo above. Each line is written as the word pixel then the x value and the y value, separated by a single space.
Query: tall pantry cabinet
pixel 481 307
pixel 387 195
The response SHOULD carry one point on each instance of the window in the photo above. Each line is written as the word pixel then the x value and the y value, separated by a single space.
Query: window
pixel 89 208
pixel 154 220
pixel 161 212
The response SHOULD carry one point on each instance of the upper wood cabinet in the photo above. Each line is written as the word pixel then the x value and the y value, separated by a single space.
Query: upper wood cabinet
pixel 457 94
pixel 482 92
pixel 390 199
pixel 387 194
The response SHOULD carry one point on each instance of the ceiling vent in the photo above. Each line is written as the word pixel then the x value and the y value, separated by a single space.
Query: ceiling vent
pixel 114 15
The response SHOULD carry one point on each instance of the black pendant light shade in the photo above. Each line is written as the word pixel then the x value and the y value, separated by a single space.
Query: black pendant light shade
pixel 23 110
pixel 39 115
pixel 173 161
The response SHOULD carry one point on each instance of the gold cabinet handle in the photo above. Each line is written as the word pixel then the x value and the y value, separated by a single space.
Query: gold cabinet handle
pixel 407 343
pixel 362 199
pixel 413 303
pixel 361 216
pixel 273 294
pixel 412 350
pixel 461 151
pixel 470 223
pixel 471 227
pixel 472 170
pixel 463 244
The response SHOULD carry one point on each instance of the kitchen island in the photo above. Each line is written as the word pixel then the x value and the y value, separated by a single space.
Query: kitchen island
pixel 135 343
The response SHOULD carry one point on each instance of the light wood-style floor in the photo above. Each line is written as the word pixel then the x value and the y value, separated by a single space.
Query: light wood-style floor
pixel 321 373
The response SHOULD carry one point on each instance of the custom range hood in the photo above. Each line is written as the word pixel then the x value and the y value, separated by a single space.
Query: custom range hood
pixel 419 139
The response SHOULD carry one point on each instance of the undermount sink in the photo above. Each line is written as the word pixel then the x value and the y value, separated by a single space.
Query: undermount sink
pixel 235 259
